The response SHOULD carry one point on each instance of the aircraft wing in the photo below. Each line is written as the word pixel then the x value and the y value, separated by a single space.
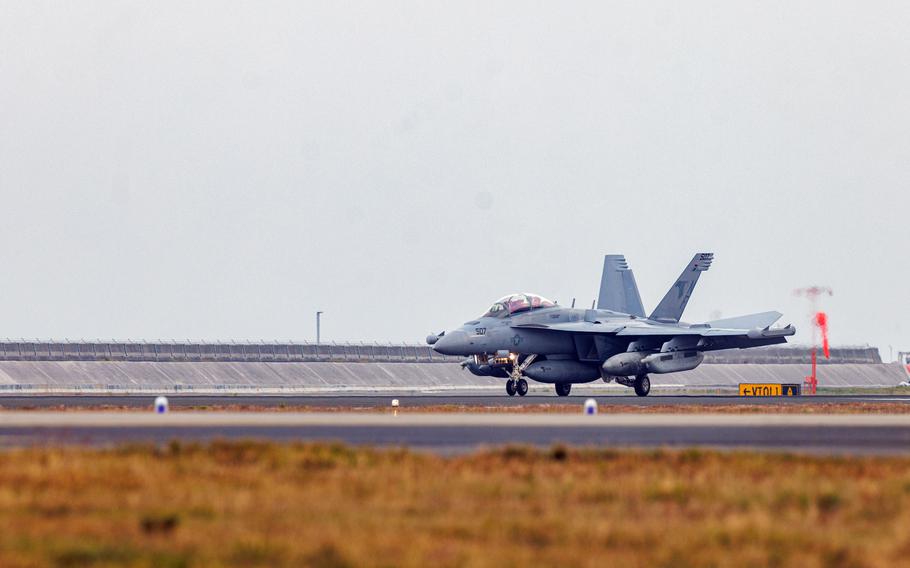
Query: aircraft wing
pixel 574 327
pixel 636 329
pixel 754 333
pixel 763 319
pixel 648 329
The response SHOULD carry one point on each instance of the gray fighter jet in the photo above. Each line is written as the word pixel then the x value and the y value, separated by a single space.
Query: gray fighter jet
pixel 526 335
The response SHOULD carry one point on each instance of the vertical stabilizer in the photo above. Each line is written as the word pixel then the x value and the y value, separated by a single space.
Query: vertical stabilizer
pixel 618 290
pixel 674 303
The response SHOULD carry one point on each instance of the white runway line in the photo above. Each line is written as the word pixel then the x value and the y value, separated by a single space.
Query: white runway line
pixel 30 419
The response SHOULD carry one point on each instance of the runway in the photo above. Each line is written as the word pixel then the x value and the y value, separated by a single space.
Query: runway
pixel 481 398
pixel 455 433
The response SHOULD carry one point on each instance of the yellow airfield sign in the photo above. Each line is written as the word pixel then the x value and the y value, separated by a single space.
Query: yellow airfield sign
pixel 768 389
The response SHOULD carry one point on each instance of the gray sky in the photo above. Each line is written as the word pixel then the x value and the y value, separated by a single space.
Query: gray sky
pixel 215 170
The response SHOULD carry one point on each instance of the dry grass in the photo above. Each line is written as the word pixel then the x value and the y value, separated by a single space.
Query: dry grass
pixel 252 504
pixel 530 407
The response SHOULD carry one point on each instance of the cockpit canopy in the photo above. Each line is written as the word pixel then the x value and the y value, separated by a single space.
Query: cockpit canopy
pixel 515 303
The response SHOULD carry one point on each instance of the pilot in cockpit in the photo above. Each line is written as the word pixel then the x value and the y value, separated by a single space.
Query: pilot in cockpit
pixel 515 303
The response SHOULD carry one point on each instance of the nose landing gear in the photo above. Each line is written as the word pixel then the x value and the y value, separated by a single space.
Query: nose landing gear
pixel 520 387
pixel 516 384
pixel 563 389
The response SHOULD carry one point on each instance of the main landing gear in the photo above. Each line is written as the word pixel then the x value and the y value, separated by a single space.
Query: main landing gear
pixel 563 389
pixel 520 386
pixel 642 385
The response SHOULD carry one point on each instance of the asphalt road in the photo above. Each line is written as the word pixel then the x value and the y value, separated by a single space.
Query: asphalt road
pixel 454 433
pixel 34 401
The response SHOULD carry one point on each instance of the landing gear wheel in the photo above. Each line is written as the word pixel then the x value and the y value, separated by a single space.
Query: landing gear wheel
pixel 510 387
pixel 642 385
pixel 522 388
pixel 562 389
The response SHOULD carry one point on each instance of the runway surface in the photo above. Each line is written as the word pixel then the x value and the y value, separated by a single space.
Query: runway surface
pixel 454 433
pixel 421 400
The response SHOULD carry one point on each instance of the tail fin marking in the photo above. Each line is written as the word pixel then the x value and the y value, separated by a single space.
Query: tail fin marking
pixel 677 297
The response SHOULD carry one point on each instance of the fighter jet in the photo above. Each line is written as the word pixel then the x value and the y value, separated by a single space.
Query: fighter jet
pixel 526 335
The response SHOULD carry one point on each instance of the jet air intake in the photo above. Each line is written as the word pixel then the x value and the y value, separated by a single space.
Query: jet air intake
pixel 637 363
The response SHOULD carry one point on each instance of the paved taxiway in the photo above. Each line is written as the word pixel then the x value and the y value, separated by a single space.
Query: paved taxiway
pixel 419 400
pixel 451 433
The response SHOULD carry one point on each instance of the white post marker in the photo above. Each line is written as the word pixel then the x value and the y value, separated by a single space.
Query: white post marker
pixel 394 407
pixel 590 406
pixel 161 405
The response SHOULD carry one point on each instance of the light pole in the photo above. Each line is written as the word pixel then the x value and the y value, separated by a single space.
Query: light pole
pixel 318 318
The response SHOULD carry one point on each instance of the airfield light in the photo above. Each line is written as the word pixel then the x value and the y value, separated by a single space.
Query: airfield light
pixel 394 403
pixel 161 405
pixel 590 406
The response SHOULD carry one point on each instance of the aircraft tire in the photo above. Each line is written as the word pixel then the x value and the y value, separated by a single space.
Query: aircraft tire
pixel 510 387
pixel 563 389
pixel 522 388
pixel 642 385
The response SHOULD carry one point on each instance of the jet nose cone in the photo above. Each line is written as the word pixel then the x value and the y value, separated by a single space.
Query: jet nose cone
pixel 452 343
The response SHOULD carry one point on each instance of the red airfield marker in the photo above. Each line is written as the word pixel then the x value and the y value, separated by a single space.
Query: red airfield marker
pixel 820 321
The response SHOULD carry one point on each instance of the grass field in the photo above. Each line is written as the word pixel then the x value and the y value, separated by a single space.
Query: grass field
pixel 252 504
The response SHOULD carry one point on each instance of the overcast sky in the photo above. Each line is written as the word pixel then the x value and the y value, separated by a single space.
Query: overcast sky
pixel 217 170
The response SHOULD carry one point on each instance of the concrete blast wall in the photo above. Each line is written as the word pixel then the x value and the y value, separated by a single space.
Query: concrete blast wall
pixel 23 350
pixel 315 377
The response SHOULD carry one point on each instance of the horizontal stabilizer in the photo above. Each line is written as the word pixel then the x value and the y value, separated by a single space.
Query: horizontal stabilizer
pixel 618 290
pixel 750 321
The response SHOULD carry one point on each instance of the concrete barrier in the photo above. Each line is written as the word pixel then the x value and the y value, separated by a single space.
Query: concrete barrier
pixel 246 352
pixel 324 377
